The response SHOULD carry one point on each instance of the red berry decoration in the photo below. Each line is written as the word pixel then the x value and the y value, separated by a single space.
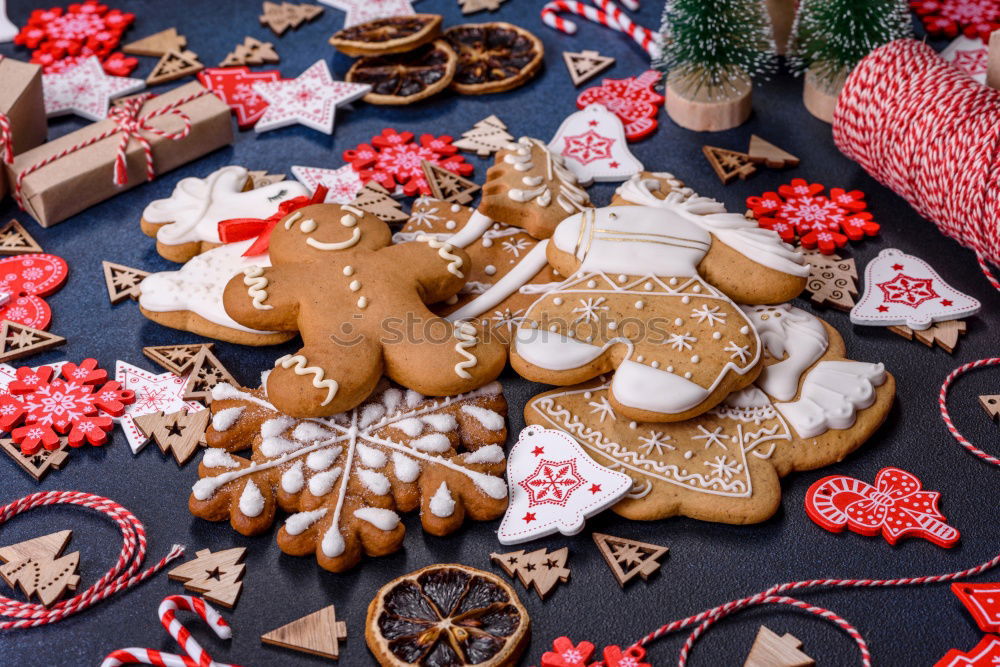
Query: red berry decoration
pixel 798 211
pixel 946 18
pixel 40 404
pixel 81 30
pixel 394 159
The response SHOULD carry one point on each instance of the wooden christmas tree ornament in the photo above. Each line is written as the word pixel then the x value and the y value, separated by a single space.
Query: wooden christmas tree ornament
pixel 766 153
pixel 206 372
pixel 157 44
pixel 18 341
pixel 473 6
pixel 217 576
pixel 629 558
pixel 376 200
pixel 175 358
pixel 770 650
pixel 41 462
pixel 15 240
pixel 447 185
pixel 728 164
pixel 585 65
pixel 485 138
pixel 279 17
pixel 179 433
pixel 539 569
pixel 251 52
pixel 832 281
pixel 943 334
pixel 174 65
pixel 319 633
pixel 991 403
pixel 122 281
pixel 38 568
pixel 704 109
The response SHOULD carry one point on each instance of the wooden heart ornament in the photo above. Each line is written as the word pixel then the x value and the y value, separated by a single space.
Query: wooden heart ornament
pixel 26 279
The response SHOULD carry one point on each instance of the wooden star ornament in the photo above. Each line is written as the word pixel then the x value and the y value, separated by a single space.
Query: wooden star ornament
pixel 311 99
pixel 85 89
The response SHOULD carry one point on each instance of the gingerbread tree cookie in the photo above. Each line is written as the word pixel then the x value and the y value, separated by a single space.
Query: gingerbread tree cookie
pixel 809 408
pixel 359 304
pixel 344 479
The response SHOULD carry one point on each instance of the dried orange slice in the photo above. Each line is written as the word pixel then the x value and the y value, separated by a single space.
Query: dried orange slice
pixel 393 34
pixel 402 78
pixel 493 57
pixel 447 616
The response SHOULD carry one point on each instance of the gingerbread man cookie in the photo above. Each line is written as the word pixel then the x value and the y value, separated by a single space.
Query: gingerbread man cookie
pixel 187 223
pixel 359 304
pixel 649 295
pixel 809 408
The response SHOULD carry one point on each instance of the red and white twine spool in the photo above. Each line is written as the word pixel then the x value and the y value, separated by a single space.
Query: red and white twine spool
pixel 123 575
pixel 196 655
pixel 6 140
pixel 607 14
pixel 929 132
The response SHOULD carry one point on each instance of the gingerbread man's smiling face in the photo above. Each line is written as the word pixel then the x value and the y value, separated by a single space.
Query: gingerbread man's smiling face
pixel 318 232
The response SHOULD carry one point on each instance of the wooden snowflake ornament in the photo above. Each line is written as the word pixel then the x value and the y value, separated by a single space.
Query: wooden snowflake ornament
pixel 593 145
pixel 554 487
pixel 901 289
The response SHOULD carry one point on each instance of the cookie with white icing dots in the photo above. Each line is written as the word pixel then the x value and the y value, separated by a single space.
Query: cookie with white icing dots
pixel 500 255
pixel 650 295
pixel 810 407
pixel 344 480
pixel 530 187
pixel 359 304
pixel 187 223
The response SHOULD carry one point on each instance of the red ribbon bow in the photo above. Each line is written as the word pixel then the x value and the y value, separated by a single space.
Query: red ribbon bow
pixel 895 506
pixel 6 140
pixel 241 229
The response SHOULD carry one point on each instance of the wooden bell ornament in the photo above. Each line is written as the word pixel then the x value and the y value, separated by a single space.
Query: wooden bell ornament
pixel 704 109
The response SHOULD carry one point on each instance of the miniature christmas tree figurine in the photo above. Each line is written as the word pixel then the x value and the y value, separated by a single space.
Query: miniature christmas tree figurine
pixel 710 52
pixel 830 37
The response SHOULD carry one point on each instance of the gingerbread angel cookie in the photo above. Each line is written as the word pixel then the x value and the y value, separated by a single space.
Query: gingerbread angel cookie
pixel 649 295
pixel 649 188
pixel 187 223
pixel 343 480
pixel 529 186
pixel 501 254
pixel 809 408
pixel 359 304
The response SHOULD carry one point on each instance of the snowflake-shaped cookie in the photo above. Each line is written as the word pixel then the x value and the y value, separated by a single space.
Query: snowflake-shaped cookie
pixel 798 210
pixel 343 479
pixel 393 158
pixel 44 402
pixel 946 18
pixel 83 29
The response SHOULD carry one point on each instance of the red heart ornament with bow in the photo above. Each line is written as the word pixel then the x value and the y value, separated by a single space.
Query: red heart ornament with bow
pixel 27 278
pixel 895 506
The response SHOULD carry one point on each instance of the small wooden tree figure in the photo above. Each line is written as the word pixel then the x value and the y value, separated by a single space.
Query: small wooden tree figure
pixel 710 52
pixel 829 37
pixel 485 138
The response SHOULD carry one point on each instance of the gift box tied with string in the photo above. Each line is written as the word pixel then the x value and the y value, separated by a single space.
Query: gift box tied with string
pixel 22 111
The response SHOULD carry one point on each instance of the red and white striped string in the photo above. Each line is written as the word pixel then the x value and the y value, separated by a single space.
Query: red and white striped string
pixel 6 137
pixel 607 14
pixel 128 123
pixel 702 621
pixel 196 655
pixel 943 405
pixel 122 576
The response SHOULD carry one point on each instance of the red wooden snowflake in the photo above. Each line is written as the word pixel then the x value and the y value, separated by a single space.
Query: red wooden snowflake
pixel 393 158
pixel 83 29
pixel 975 18
pixel 40 404
pixel 798 210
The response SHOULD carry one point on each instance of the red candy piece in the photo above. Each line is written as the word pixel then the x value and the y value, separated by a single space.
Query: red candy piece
pixel 895 506
pixel 565 653
pixel 27 278
pixel 630 657
pixel 39 405
pixel 393 159
pixel 633 100
pixel 81 30
pixel 985 654
pixel 983 603
pixel 234 85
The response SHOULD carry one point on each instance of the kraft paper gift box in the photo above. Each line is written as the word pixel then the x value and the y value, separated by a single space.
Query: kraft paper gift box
pixel 69 174
pixel 22 108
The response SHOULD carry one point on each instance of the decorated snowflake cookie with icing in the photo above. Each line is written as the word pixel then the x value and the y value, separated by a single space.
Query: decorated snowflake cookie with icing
pixel 343 480
pixel 187 223
pixel 649 296
pixel 359 304
pixel 810 407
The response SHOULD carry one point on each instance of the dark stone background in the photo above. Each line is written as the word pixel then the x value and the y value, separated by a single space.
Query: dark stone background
pixel 707 565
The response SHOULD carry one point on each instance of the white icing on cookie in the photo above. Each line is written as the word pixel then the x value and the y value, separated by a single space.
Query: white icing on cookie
pixel 382 519
pixel 487 454
pixel 292 480
pixel 489 419
pixel 224 419
pixel 569 196
pixel 251 500
pixel 407 470
pixel 218 458
pixel 785 330
pixel 832 393
pixel 433 442
pixel 445 252
pixel 466 335
pixel 300 366
pixel 256 282
pixel 511 282
pixel 322 484
pixel 375 482
pixel 442 504
pixel 298 523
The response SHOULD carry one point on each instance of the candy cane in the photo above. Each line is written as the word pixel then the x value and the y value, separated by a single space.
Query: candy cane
pixel 196 655
pixel 607 14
